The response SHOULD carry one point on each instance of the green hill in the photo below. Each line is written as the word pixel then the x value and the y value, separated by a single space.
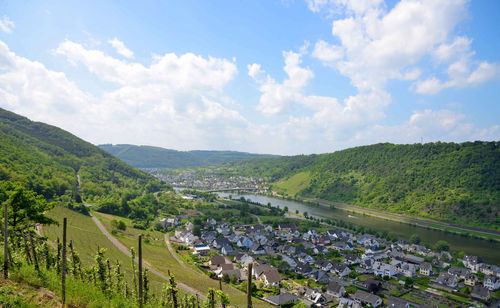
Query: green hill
pixel 156 157
pixel 47 160
pixel 453 182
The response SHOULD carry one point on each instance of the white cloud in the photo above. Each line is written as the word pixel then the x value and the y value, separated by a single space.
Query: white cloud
pixel 381 45
pixel 279 97
pixel 459 47
pixel 176 102
pixel 329 120
pixel 121 48
pixel 29 88
pixel 176 72
pixel 6 25
pixel 327 53
pixel 462 70
pixel 377 45
pixel 441 125
pixel 337 6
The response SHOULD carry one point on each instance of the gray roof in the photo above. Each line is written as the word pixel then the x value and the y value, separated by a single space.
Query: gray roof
pixel 281 299
pixel 334 287
pixel 366 297
pixel 480 292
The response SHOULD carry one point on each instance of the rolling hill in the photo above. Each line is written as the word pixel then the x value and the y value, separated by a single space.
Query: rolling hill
pixel 156 157
pixel 47 160
pixel 453 182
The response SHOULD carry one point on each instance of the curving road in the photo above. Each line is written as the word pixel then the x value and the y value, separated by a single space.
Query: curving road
pixel 124 249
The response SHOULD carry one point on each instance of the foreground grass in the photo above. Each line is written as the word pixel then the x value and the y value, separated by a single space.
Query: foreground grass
pixel 28 288
pixel 87 238
pixel 158 256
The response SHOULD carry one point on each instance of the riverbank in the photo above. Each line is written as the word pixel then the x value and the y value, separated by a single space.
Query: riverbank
pixel 421 222
pixel 480 233
pixel 460 240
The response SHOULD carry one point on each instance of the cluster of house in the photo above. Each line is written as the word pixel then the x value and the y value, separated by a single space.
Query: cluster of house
pixel 304 253
pixel 458 277
pixel 211 180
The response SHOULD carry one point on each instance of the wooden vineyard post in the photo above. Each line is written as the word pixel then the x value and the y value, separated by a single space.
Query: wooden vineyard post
pixel 5 243
pixel 249 286
pixel 63 259
pixel 140 270
pixel 33 252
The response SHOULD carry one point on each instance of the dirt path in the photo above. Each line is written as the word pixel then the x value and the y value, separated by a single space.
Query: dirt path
pixel 172 252
pixel 124 249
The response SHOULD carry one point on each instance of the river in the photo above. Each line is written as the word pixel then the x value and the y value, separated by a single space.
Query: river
pixel 489 251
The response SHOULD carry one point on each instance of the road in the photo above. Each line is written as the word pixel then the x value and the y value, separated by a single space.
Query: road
pixel 124 249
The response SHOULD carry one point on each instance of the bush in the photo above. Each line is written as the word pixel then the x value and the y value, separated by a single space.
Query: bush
pixel 121 225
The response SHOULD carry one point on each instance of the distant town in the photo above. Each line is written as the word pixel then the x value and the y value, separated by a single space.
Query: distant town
pixel 209 179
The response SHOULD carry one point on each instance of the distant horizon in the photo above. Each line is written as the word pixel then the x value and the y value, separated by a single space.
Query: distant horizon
pixel 282 77
pixel 193 150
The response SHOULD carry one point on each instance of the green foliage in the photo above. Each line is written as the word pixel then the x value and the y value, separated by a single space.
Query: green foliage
pixel 442 246
pixel 46 160
pixel 459 183
pixel 415 239
pixel 119 224
pixel 24 203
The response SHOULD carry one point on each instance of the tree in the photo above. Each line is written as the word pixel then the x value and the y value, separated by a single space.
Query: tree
pixel 415 239
pixel 283 266
pixel 234 279
pixel 461 255
pixel 442 246
pixel 26 202
pixel 225 278
pixel 197 230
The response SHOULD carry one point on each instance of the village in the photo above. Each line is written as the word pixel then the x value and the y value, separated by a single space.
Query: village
pixel 209 179
pixel 334 267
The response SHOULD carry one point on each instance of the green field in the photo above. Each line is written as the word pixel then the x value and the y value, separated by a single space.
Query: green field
pixel 294 184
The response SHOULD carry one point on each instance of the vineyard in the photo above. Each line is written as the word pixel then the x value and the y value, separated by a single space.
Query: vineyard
pixel 57 274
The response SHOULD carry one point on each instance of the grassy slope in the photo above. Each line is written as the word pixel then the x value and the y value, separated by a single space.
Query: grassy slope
pixel 159 257
pixel 87 237
pixel 294 184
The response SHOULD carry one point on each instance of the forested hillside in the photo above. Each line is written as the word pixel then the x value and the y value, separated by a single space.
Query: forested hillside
pixel 448 181
pixel 156 157
pixel 46 160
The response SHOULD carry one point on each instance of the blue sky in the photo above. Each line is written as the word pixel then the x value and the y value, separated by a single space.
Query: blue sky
pixel 282 77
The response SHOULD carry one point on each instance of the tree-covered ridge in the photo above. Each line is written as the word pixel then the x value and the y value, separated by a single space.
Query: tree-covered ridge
pixel 156 157
pixel 47 160
pixel 448 181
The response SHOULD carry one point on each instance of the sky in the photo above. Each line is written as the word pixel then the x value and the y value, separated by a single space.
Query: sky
pixel 264 76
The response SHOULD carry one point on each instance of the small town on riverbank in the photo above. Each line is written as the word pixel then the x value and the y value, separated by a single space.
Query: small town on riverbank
pixel 310 261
